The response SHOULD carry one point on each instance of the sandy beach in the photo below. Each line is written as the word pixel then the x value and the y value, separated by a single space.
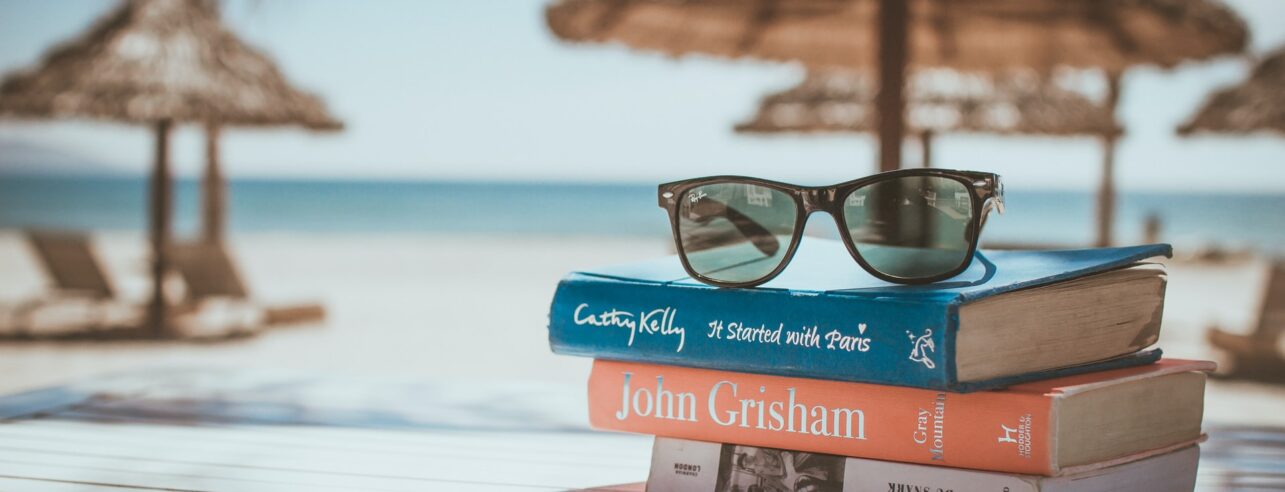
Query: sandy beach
pixel 474 307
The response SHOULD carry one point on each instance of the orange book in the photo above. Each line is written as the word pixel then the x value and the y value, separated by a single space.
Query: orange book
pixel 1048 427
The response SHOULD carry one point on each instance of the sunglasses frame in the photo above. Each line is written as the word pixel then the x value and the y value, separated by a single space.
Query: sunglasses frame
pixel 985 190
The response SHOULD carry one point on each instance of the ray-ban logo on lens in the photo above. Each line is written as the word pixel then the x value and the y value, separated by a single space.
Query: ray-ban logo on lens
pixel 696 197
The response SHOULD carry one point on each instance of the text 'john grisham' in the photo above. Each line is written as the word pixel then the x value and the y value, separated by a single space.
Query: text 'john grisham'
pixel 728 405
pixel 660 322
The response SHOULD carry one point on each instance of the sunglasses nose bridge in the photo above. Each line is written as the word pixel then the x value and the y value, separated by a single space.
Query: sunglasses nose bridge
pixel 816 199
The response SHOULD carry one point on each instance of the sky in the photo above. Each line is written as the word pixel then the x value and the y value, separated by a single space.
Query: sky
pixel 480 90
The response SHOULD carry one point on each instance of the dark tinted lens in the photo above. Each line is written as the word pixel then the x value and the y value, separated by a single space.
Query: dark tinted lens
pixel 735 232
pixel 911 227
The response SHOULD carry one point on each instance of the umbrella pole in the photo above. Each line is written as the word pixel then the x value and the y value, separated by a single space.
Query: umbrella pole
pixel 890 100
pixel 213 189
pixel 160 198
pixel 926 146
pixel 1106 189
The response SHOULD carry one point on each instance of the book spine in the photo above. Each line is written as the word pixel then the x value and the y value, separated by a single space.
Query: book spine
pixel 899 342
pixel 1003 431
pixel 680 464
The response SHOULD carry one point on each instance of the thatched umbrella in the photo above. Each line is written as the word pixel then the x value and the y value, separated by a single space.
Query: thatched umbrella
pixel 161 63
pixel 886 35
pixel 1255 105
pixel 940 101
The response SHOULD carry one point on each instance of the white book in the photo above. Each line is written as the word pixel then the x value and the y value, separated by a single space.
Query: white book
pixel 682 465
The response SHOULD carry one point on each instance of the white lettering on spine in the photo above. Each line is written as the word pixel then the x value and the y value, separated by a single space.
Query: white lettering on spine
pixel 662 322
pixel 654 322
pixel 764 413
pixel 1019 436
pixel 930 427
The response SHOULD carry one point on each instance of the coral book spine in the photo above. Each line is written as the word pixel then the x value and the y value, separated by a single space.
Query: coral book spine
pixel 1005 431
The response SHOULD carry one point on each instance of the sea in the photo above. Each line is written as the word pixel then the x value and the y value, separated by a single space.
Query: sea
pixel 1190 221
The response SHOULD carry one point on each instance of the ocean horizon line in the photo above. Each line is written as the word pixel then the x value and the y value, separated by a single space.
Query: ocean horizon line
pixel 520 182
pixel 1190 219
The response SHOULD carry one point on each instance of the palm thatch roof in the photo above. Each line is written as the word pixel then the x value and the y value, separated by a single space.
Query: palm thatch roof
pixel 966 35
pixel 154 60
pixel 1257 104
pixel 939 101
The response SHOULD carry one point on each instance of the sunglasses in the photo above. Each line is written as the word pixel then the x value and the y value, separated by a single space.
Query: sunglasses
pixel 910 226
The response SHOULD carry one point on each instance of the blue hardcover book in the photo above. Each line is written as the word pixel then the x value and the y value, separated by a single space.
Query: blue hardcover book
pixel 1013 316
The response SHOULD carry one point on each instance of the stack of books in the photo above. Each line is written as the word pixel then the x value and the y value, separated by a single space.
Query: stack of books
pixel 1031 371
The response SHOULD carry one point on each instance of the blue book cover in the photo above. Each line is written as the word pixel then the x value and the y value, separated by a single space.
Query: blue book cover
pixel 823 317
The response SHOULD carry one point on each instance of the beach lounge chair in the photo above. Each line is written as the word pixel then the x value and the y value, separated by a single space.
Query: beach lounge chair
pixel 76 277
pixel 1257 355
pixel 216 293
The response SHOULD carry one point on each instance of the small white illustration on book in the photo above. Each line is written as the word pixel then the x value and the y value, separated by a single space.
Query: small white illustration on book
pixel 923 348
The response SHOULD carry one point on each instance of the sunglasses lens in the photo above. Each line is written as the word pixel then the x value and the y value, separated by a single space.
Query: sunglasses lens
pixel 911 227
pixel 735 232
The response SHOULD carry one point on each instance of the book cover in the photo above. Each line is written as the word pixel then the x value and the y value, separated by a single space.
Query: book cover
pixel 1006 430
pixel 696 466
pixel 823 317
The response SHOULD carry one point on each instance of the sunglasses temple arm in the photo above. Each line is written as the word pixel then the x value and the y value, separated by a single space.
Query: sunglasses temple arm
pixel 993 203
pixel 988 268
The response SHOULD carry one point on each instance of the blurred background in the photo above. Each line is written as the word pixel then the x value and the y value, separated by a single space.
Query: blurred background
pixel 399 185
